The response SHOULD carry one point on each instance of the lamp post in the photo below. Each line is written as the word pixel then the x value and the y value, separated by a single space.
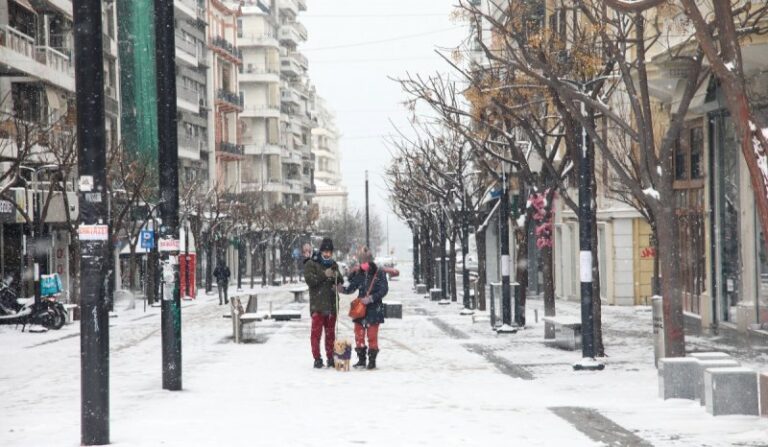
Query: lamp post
pixel 506 292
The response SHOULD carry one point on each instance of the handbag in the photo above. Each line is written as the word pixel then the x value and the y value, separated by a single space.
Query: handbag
pixel 356 307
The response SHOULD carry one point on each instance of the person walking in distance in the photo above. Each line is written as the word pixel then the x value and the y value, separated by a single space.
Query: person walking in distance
pixel 371 284
pixel 222 275
pixel 321 273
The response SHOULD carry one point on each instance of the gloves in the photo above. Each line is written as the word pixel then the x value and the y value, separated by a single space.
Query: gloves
pixel 329 273
pixel 366 300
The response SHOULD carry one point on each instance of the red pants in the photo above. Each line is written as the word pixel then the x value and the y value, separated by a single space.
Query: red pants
pixel 319 322
pixel 373 336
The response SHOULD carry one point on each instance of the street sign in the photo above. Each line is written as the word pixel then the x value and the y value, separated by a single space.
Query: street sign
pixel 147 238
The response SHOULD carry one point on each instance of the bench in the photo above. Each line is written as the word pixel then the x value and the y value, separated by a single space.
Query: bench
pixel 240 317
pixel 285 315
pixel 731 391
pixel 277 282
pixel 70 308
pixel 435 294
pixel 298 294
pixel 421 289
pixel 567 332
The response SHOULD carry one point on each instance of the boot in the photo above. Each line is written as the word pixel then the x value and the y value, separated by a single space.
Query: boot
pixel 318 363
pixel 330 363
pixel 360 357
pixel 372 358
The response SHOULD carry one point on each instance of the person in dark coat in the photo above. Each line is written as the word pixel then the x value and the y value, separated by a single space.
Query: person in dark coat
pixel 222 274
pixel 368 278
pixel 321 273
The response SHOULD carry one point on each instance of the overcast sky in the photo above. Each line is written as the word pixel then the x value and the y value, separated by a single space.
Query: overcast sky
pixel 354 47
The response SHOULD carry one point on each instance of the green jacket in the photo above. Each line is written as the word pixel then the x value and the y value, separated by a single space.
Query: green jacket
pixel 322 289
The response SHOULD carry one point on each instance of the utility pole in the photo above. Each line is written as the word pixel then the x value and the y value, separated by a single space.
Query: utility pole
pixel 168 158
pixel 93 222
pixel 367 217
pixel 585 254
pixel 443 261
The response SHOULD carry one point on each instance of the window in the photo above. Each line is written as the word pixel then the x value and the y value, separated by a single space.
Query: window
pixel 689 156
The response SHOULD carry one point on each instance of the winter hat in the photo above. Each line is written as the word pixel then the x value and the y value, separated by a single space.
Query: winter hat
pixel 326 245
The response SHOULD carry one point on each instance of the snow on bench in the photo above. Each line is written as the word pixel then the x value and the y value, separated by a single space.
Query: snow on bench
pixel 70 308
pixel 285 315
pixel 731 391
pixel 567 332
pixel 240 317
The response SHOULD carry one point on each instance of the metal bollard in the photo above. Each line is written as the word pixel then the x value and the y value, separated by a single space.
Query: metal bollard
pixel 657 312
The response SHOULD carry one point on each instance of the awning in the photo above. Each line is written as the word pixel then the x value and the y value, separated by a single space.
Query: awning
pixel 26 5
pixel 53 97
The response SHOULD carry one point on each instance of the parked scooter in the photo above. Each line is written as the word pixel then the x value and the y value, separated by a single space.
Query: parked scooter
pixel 13 310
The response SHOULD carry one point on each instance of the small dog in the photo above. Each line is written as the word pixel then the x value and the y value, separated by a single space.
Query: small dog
pixel 342 353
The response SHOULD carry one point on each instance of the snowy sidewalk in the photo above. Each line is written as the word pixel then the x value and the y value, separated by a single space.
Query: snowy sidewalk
pixel 442 381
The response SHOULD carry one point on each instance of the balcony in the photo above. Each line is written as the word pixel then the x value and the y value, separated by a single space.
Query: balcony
pixel 187 99
pixel 186 50
pixel 21 57
pixel 293 64
pixel 258 40
pixel 262 148
pixel 292 33
pixel 227 50
pixel 259 74
pixel 290 7
pixel 190 146
pixel 188 8
pixel 260 111
pixel 289 95
pixel 229 101
pixel 302 5
pixel 230 151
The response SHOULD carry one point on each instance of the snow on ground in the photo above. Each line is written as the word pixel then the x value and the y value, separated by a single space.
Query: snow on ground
pixel 439 384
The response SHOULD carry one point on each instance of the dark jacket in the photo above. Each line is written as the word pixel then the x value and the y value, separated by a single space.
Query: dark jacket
pixel 361 282
pixel 221 273
pixel 322 289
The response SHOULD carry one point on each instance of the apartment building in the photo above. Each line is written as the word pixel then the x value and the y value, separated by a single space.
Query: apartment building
pixel 277 118
pixel 224 96
pixel 331 195
pixel 193 60
pixel 37 84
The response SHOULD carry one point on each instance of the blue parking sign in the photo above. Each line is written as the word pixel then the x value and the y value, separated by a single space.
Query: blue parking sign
pixel 147 239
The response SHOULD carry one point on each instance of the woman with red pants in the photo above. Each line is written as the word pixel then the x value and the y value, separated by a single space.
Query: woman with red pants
pixel 371 285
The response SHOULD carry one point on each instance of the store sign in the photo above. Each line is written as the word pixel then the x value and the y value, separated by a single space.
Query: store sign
pixel 93 232
pixel 169 245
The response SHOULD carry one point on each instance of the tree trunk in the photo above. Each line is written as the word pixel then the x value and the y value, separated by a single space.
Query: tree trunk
pixel 469 303
pixel 597 302
pixel 481 265
pixel 74 268
pixel 208 266
pixel 263 264
pixel 132 267
pixel 429 261
pixel 549 289
pixel 674 323
pixel 452 270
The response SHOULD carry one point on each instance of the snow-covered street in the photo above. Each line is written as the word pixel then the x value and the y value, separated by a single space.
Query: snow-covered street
pixel 442 381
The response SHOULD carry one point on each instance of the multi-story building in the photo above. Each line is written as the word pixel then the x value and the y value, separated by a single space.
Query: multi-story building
pixel 277 119
pixel 331 196
pixel 37 85
pixel 224 96
pixel 196 158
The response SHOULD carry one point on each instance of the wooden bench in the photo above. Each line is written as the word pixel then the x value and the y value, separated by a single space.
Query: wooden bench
pixel 298 294
pixel 567 332
pixel 240 317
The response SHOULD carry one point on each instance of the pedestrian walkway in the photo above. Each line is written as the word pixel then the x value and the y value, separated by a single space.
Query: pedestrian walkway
pixel 442 382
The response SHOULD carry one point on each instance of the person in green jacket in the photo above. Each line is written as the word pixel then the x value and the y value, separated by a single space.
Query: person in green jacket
pixel 321 274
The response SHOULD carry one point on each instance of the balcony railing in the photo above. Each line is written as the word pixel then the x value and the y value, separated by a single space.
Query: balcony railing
pixel 231 98
pixel 192 142
pixel 185 45
pixel 259 70
pixel 298 57
pixel 228 47
pixel 187 94
pixel 18 41
pixel 55 59
pixel 230 148
pixel 25 45
pixel 258 38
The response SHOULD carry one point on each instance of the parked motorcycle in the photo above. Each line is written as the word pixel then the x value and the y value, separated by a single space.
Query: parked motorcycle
pixel 14 310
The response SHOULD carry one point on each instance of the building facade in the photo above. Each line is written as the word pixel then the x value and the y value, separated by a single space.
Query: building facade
pixel 331 195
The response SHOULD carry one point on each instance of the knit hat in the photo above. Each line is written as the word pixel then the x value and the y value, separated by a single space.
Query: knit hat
pixel 326 245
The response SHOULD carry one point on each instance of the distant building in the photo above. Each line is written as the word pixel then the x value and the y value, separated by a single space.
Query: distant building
pixel 331 196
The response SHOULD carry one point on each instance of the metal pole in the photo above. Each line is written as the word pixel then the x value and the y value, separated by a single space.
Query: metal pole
pixel 168 158
pixel 91 145
pixel 416 246
pixel 506 293
pixel 585 245
pixel 367 216
pixel 468 302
